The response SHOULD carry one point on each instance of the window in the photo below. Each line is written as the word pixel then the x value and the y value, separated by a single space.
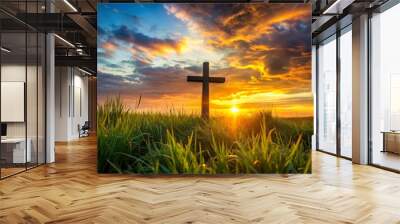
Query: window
pixel 346 92
pixel 385 89
pixel 327 95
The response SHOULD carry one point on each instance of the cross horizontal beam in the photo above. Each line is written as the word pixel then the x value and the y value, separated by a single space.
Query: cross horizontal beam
pixel 201 79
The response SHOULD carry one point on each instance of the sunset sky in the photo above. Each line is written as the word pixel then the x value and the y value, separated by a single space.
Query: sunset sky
pixel 263 51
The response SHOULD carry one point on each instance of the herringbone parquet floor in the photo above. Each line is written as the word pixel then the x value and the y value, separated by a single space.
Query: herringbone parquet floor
pixel 70 191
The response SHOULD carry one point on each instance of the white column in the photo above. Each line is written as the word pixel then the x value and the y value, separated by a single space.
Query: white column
pixel 50 100
pixel 360 90
pixel 50 92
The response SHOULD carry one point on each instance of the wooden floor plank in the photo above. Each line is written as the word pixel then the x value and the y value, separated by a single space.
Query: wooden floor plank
pixel 70 191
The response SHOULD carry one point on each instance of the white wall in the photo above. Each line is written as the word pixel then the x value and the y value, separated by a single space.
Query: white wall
pixel 71 94
pixel 80 110
pixel 14 73
pixel 62 82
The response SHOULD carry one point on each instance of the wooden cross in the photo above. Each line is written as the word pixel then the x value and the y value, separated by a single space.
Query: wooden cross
pixel 205 79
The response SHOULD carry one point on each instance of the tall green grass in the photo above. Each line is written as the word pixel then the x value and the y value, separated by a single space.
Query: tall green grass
pixel 130 141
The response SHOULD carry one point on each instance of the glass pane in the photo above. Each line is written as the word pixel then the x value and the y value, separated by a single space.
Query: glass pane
pixel 385 89
pixel 346 94
pixel 31 98
pixel 32 87
pixel 23 87
pixel 327 96
pixel 13 86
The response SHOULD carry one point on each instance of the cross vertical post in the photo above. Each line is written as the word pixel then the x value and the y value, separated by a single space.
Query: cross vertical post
pixel 205 109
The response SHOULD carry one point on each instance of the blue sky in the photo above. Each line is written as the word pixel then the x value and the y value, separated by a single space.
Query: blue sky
pixel 157 23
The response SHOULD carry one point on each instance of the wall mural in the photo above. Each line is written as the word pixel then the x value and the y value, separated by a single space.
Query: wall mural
pixel 204 88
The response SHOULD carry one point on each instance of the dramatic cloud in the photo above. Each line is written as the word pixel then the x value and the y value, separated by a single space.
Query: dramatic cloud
pixel 141 45
pixel 264 37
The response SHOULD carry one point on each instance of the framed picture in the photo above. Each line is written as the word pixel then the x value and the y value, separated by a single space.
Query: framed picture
pixel 204 88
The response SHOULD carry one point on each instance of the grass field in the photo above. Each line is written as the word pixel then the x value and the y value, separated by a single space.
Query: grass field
pixel 177 143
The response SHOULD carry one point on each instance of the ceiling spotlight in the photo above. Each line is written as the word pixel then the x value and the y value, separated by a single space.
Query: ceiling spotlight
pixel 5 50
pixel 65 41
pixel 79 51
pixel 337 7
pixel 70 5
pixel 84 71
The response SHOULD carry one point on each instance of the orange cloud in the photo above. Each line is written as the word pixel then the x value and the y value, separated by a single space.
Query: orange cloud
pixel 163 48
pixel 144 46
pixel 109 47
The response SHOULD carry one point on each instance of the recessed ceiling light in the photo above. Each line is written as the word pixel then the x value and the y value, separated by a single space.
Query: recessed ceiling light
pixel 70 5
pixel 337 7
pixel 64 40
pixel 5 50
pixel 84 71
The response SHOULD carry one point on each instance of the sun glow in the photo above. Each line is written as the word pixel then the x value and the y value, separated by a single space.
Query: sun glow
pixel 234 110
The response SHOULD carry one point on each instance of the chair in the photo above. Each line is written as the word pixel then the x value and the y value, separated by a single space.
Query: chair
pixel 84 130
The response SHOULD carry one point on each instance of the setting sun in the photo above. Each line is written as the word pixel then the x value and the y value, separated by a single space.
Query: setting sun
pixel 234 110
